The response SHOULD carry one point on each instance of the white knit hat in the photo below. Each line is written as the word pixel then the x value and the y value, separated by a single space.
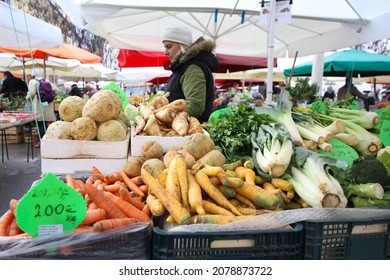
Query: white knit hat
pixel 179 34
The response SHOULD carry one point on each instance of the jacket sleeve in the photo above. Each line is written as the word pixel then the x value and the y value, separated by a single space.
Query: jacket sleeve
pixel 194 89
pixel 32 89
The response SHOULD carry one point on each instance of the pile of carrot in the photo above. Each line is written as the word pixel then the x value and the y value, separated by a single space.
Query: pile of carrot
pixel 214 194
pixel 113 201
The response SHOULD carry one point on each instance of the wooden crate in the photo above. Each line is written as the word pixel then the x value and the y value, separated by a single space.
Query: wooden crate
pixel 14 139
pixel 14 130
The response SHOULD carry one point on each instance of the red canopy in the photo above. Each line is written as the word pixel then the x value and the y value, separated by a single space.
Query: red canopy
pixel 133 58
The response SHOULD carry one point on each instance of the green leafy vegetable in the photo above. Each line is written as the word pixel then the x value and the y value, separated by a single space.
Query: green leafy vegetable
pixel 231 132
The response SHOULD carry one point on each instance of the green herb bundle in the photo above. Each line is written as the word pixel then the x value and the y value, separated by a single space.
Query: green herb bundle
pixel 231 131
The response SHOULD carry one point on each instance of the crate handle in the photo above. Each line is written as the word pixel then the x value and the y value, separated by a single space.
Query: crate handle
pixel 232 243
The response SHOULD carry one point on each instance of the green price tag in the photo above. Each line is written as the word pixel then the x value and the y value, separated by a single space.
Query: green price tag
pixel 122 95
pixel 319 106
pixel 50 207
pixel 384 135
pixel 354 105
pixel 341 151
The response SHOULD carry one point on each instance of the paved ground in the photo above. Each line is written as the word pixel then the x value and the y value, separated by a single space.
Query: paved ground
pixel 16 174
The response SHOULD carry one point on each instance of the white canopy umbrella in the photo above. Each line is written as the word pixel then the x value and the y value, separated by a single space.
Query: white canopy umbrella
pixel 140 75
pixel 316 26
pixel 21 30
pixel 94 71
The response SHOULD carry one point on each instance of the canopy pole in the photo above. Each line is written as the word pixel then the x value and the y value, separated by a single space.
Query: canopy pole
pixel 270 56
pixel 292 69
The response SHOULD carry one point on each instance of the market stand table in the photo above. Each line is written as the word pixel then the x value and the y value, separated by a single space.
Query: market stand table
pixel 10 120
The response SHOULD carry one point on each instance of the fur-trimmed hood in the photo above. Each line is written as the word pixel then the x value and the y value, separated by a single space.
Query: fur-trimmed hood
pixel 202 50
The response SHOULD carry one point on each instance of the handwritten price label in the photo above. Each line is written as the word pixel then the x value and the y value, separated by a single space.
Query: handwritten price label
pixel 49 207
pixel 384 135
pixel 118 91
pixel 341 152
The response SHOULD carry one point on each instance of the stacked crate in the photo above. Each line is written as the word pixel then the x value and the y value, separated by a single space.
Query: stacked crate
pixel 61 156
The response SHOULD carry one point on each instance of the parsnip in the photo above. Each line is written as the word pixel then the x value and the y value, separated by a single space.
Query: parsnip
pixel 180 123
pixel 152 127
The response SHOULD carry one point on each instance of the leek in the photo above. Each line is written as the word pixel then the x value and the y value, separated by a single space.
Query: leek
pixel 272 149
pixel 312 181
pixel 282 113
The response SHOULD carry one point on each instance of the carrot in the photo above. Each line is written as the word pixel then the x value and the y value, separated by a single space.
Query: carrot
pixel 243 200
pixel 260 197
pixel 5 222
pixel 94 215
pixel 80 184
pixel 137 180
pixel 155 205
pixel 227 191
pixel 231 182
pixel 98 174
pixel 14 229
pixel 181 169
pixel 205 183
pixel 212 170
pixel 98 197
pixel 144 188
pixel 112 178
pixel 82 229
pixel 12 204
pixel 70 181
pixel 125 195
pixel 146 210
pixel 92 205
pixel 259 180
pixel 250 176
pixel 178 212
pixel 216 219
pixel 90 180
pixel 282 184
pixel 172 184
pixel 232 165
pixel 108 224
pixel 194 194
pixel 113 187
pixel 268 186
pixel 130 184
pixel 129 209
pixel 212 208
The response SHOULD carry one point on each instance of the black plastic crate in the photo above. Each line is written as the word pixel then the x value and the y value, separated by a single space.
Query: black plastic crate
pixel 128 243
pixel 273 244
pixel 347 240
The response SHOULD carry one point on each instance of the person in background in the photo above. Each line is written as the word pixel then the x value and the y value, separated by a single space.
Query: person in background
pixel 91 89
pixel 234 89
pixel 75 91
pixel 329 93
pixel 192 66
pixel 349 88
pixel 44 110
pixel 12 86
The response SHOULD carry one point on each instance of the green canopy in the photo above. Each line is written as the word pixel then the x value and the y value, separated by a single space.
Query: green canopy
pixel 353 63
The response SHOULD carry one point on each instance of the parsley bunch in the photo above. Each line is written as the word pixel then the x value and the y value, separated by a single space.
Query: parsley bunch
pixel 231 132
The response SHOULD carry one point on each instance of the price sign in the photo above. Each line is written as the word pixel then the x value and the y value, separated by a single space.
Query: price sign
pixel 341 151
pixel 384 135
pixel 319 106
pixel 118 91
pixel 49 207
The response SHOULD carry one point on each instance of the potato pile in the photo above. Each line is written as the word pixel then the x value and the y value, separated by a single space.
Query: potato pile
pixel 161 118
pixel 99 118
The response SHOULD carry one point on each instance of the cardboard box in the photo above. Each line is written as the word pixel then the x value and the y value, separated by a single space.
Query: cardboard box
pixel 136 142
pixel 81 165
pixel 74 149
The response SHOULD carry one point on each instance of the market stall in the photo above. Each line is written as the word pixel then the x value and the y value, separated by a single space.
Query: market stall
pixel 250 199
